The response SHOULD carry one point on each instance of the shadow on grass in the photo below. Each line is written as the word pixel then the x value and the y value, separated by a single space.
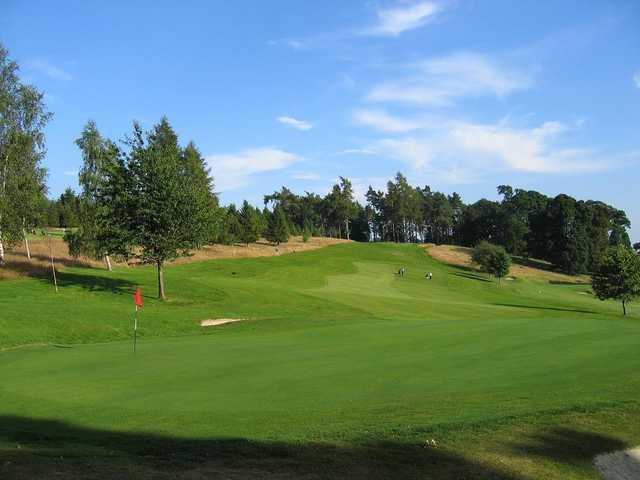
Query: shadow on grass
pixel 559 282
pixel 37 448
pixel 555 309
pixel 472 276
pixel 468 272
pixel 94 283
pixel 568 446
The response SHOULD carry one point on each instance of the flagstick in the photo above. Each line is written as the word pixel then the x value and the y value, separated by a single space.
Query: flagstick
pixel 53 267
pixel 135 330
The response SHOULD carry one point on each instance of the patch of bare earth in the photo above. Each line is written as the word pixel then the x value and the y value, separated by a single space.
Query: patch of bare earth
pixel 18 265
pixel 622 465
pixel 219 321
pixel 520 268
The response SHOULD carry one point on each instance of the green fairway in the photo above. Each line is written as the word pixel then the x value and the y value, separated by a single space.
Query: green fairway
pixel 342 368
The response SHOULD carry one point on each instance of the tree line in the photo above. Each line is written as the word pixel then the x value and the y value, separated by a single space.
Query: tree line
pixel 150 197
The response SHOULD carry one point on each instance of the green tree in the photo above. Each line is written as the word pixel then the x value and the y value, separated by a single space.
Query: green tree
pixel 250 225
pixel 492 259
pixel 618 276
pixel 277 231
pixel 170 198
pixel 23 117
pixel 99 156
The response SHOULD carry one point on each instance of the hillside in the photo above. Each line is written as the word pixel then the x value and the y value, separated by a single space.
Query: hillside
pixel 340 367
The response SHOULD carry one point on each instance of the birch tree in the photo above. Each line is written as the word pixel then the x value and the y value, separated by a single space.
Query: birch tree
pixel 98 157
pixel 23 117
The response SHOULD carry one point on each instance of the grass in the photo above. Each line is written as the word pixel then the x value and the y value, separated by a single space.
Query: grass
pixel 342 369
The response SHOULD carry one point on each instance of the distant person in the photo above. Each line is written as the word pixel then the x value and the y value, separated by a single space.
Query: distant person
pixel 430 276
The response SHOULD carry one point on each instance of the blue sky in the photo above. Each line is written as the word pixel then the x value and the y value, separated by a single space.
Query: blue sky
pixel 459 95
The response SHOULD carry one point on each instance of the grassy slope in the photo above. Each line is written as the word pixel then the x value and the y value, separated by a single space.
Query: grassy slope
pixel 344 366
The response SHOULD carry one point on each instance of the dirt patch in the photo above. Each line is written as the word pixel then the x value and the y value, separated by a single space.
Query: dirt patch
pixel 18 265
pixel 622 465
pixel 520 268
pixel 219 321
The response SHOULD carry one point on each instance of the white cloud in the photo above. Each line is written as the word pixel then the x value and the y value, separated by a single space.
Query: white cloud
pixel 305 176
pixel 357 151
pixel 636 79
pixel 48 69
pixel 527 150
pixel 295 123
pixel 382 121
pixel 408 150
pixel 463 152
pixel 440 81
pixel 394 21
pixel 71 173
pixel 232 171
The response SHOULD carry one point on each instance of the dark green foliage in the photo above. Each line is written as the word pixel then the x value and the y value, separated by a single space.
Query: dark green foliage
pixel 250 224
pixel 492 259
pixel 74 243
pixel 306 234
pixel 618 276
pixel 277 231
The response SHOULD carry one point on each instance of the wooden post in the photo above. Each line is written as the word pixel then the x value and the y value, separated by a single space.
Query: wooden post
pixel 26 242
pixel 53 267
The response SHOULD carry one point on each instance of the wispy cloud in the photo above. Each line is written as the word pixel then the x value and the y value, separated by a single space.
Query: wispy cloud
pixel 394 21
pixel 357 151
pixel 440 81
pixel 305 176
pixel 528 150
pixel 232 171
pixel 295 123
pixel 46 68
pixel 382 121
pixel 416 153
pixel 71 173
pixel 636 79
pixel 459 152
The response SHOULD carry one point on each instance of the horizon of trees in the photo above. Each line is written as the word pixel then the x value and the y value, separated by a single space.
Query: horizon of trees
pixel 150 197
pixel 571 234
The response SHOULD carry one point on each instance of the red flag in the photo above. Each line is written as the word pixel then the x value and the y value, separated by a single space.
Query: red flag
pixel 137 298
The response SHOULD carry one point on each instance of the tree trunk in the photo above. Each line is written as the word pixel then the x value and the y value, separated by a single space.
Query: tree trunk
pixel 26 242
pixel 107 260
pixel 624 308
pixel 161 294
pixel 346 225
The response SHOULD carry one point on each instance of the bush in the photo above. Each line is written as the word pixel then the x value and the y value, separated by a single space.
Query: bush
pixel 74 243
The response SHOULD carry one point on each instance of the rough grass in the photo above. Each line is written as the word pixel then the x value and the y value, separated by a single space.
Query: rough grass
pixel 520 268
pixel 342 370
pixel 42 247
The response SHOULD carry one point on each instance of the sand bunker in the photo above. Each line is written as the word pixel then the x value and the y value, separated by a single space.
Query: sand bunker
pixel 219 321
pixel 622 465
